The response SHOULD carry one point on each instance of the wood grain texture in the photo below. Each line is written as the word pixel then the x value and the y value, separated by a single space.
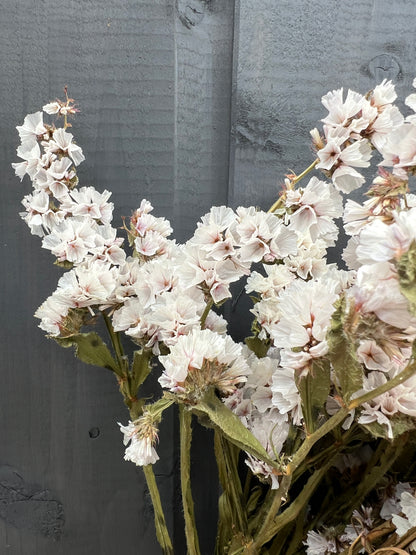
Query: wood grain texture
pixel 287 55
pixel 152 79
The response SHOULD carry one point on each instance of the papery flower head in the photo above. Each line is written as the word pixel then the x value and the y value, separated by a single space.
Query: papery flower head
pixel 141 437
pixel 203 359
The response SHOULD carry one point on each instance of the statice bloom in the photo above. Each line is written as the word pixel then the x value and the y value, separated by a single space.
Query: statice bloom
pixel 149 233
pixel 406 520
pixel 76 237
pixel 32 128
pixel 203 359
pixel 306 309
pixel 400 399
pixel 61 142
pixel 262 236
pixel 314 208
pixel 381 242
pixel 317 544
pixel 30 153
pixel 252 403
pixel 53 313
pixel 38 214
pixel 142 437
pixel 87 201
pixel 87 285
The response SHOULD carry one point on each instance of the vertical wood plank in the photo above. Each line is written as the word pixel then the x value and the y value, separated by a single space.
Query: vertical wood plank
pixel 204 49
pixel 62 450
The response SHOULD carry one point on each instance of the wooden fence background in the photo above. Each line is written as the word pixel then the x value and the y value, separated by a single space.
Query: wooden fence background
pixel 188 103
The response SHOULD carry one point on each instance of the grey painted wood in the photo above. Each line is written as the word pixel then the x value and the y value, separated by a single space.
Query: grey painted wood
pixel 152 79
pixel 287 55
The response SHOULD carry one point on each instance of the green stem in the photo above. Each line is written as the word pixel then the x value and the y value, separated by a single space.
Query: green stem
pixel 272 524
pixel 206 312
pixel 382 460
pixel 135 407
pixel 232 507
pixel 116 342
pixel 185 422
pixel 162 533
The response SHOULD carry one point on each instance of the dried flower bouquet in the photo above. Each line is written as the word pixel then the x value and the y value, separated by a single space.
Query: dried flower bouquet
pixel 320 402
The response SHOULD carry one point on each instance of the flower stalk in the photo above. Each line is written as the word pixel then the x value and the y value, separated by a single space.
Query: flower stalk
pixel 185 430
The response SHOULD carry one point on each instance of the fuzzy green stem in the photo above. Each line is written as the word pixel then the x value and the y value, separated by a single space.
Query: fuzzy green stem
pixel 116 342
pixel 162 533
pixel 135 407
pixel 185 426
pixel 273 524
pixel 206 312
pixel 232 504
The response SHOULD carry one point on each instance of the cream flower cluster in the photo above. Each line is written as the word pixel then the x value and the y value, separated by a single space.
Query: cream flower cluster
pixel 165 296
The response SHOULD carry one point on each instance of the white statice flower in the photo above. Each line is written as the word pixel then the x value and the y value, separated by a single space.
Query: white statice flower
pixel 174 314
pixel 87 201
pixel 349 255
pixel 373 357
pixel 143 222
pixel 306 309
pixel 398 149
pixel 401 398
pixel 71 240
pixel 77 237
pixel 329 155
pixel 315 208
pixel 202 359
pixel 277 277
pixel 286 396
pixel 142 439
pixel 271 429
pixel 53 313
pixel 52 108
pixel 347 179
pixel 262 236
pixel 309 261
pixel 139 287
pixel 30 153
pixel 149 234
pixel 345 113
pixel 317 544
pixel 107 246
pixel 213 233
pixel 61 141
pixel 383 94
pixel 391 505
pixel 38 215
pixel 386 122
pixel 267 314
pixel 32 129
pixel 381 242
pixel 90 284
pixel 252 403
pixel 406 519
pixel 213 276
pixel 55 177
pixel 356 216
pixel 376 290
pixel 356 155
